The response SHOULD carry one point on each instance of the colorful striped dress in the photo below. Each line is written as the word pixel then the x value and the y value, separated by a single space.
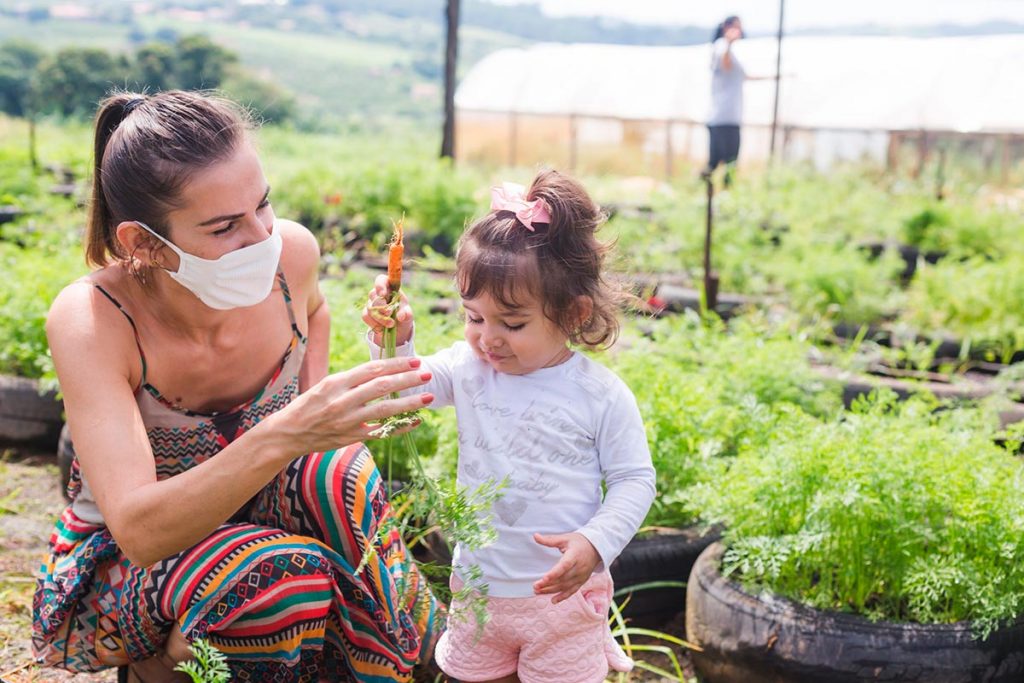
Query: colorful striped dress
pixel 274 588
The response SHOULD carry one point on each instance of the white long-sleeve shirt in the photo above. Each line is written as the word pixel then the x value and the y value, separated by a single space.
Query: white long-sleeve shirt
pixel 553 436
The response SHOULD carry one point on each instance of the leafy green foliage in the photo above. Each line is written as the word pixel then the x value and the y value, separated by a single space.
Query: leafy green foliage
pixel 71 81
pixel 978 301
pixel 363 195
pixel 74 79
pixel 32 278
pixel 18 61
pixel 707 394
pixel 209 666
pixel 919 229
pixel 896 512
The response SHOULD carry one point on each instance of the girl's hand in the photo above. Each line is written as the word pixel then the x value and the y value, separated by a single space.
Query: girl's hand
pixel 343 408
pixel 579 558
pixel 377 316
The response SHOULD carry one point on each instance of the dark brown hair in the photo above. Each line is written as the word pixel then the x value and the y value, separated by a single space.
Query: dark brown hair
pixel 146 149
pixel 557 263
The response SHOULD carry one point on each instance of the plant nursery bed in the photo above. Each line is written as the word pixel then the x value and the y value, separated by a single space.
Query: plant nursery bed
pixel 27 414
pixel 964 388
pixel 946 348
pixel 764 637
pixel 910 255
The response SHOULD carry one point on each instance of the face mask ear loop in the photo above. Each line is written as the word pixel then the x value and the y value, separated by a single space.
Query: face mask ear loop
pixel 163 242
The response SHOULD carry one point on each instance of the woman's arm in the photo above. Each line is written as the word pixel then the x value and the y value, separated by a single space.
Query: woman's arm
pixel 153 519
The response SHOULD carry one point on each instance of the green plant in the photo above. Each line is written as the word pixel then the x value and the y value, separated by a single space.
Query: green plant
pixel 978 301
pixel 32 278
pixel 636 640
pixel 209 666
pixel 919 230
pixel 707 392
pixel 895 512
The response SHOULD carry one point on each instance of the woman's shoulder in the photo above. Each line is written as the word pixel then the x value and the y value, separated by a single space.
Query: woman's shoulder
pixel 300 253
pixel 77 302
pixel 298 240
pixel 84 318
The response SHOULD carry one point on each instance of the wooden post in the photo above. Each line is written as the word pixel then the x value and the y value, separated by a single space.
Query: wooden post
pixel 892 152
pixel 710 277
pixel 32 155
pixel 1005 170
pixel 450 60
pixel 573 151
pixel 668 149
pixel 778 81
pixel 513 134
pixel 922 153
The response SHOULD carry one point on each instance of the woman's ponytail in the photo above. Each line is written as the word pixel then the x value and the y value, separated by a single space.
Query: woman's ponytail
pixel 99 240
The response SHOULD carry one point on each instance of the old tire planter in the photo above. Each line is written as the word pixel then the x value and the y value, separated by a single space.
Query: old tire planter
pixel 65 457
pixel 665 555
pixel 26 415
pixel 774 640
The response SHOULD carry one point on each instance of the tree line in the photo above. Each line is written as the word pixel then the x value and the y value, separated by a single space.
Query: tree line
pixel 73 80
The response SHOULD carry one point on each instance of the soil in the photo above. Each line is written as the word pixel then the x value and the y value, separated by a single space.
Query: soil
pixel 30 501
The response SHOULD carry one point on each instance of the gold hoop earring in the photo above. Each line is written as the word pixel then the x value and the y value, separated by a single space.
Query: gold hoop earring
pixel 135 267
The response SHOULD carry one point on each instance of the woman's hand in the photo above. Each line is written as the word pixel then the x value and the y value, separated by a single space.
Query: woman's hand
pixel 377 313
pixel 343 408
pixel 579 558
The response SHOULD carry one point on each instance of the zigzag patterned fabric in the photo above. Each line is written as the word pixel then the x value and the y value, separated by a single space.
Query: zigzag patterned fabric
pixel 275 588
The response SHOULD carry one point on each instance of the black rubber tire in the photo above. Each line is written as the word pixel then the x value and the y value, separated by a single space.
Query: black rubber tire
pixel 770 639
pixel 65 456
pixel 666 555
pixel 26 416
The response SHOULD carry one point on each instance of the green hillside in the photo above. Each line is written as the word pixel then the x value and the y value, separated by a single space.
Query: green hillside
pixel 392 70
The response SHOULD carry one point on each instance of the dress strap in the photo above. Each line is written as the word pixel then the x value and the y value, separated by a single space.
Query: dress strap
pixel 288 303
pixel 135 330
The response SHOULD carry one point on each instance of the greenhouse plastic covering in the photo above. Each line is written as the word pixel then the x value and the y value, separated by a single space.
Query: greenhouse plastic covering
pixel 964 84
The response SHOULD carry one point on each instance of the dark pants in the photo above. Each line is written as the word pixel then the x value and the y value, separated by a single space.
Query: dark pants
pixel 724 147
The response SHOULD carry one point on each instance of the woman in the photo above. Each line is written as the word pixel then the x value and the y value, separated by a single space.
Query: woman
pixel 204 333
pixel 727 77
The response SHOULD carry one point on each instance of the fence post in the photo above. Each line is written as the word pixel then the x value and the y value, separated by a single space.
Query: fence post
pixel 512 135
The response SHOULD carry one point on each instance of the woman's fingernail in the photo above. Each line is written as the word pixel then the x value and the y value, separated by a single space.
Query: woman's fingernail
pixel 414 362
pixel 425 376
pixel 427 398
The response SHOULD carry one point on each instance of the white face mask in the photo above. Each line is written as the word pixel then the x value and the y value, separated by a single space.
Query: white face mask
pixel 239 278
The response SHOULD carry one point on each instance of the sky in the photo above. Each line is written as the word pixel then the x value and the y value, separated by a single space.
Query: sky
pixel 762 16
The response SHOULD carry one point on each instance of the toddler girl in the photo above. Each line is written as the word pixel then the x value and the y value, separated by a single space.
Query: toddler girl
pixel 549 422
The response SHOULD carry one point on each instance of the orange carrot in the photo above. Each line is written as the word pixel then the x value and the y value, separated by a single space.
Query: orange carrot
pixel 395 255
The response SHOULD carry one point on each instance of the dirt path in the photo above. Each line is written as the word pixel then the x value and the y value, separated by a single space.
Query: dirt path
pixel 30 500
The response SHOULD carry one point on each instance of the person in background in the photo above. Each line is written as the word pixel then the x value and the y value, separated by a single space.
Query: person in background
pixel 220 489
pixel 726 116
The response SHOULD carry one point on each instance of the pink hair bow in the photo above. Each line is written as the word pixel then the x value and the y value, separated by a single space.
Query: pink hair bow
pixel 512 197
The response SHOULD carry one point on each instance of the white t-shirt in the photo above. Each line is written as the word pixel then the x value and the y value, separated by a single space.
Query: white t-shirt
pixel 553 436
pixel 726 86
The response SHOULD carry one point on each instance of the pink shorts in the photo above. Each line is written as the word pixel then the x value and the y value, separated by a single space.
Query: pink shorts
pixel 545 643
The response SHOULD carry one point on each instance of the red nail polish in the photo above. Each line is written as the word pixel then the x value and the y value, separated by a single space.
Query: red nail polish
pixel 427 398
pixel 425 376
pixel 414 362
